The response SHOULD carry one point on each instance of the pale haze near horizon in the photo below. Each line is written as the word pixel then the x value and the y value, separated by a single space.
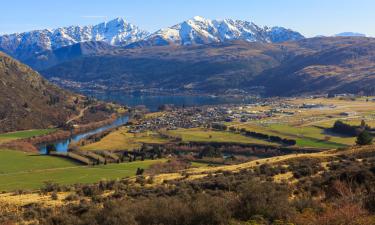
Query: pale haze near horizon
pixel 309 17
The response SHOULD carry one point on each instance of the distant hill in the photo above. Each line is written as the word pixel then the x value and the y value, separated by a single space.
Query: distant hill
pixel 202 69
pixel 350 34
pixel 307 66
pixel 50 58
pixel 344 65
pixel 28 101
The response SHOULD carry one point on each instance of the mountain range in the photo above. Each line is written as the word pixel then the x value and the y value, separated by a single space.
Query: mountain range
pixel 28 44
pixel 118 32
pixel 197 56
pixel 199 30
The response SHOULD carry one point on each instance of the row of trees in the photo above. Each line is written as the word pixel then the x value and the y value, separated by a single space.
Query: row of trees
pixel 350 130
pixel 271 138
pixel 362 132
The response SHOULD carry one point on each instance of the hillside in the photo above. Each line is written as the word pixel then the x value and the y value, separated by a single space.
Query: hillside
pixel 27 101
pixel 308 66
pixel 202 69
pixel 50 58
pixel 332 187
pixel 337 68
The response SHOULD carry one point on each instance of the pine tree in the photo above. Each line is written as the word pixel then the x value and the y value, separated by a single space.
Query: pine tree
pixel 364 138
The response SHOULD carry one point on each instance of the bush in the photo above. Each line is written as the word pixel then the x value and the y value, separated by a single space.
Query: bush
pixel 219 126
pixel 50 187
pixel 72 197
pixel 54 196
pixel 364 138
pixel 140 171
pixel 266 199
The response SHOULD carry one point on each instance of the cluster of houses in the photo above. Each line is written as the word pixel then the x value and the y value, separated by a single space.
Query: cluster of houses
pixel 205 116
pixel 182 118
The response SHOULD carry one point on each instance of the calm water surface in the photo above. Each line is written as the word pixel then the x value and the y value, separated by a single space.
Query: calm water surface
pixel 63 145
pixel 153 102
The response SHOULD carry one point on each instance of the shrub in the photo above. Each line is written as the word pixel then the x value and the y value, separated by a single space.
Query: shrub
pixel 364 138
pixel 54 196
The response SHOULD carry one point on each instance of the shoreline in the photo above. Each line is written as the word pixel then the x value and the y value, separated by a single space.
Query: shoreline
pixel 30 144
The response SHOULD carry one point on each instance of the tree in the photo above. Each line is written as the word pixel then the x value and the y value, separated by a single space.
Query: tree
pixel 363 124
pixel 364 138
pixel 219 126
pixel 210 152
pixel 140 171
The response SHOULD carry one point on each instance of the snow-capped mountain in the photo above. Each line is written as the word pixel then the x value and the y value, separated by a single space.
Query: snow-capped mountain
pixel 199 30
pixel 115 32
pixel 118 32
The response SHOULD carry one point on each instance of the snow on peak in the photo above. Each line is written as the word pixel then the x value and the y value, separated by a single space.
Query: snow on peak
pixel 199 18
pixel 118 32
pixel 114 32
pixel 200 30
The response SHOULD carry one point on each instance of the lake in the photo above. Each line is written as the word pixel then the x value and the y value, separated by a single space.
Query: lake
pixel 153 102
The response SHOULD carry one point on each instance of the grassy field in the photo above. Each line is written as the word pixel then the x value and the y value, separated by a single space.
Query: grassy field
pixel 313 133
pixel 310 136
pixel 14 161
pixel 24 171
pixel 203 135
pixel 121 140
pixel 353 122
pixel 23 134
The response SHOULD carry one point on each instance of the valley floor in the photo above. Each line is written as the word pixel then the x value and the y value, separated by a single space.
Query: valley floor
pixel 287 118
pixel 25 171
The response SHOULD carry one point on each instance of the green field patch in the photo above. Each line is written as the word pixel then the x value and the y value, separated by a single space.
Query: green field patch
pixel 23 134
pixel 306 142
pixel 306 136
pixel 22 171
pixel 15 161
pixel 205 135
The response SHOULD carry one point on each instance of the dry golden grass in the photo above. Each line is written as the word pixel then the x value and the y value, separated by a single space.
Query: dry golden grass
pixel 154 115
pixel 121 140
pixel 284 177
pixel 343 105
pixel 196 173
pixel 25 199
pixel 190 174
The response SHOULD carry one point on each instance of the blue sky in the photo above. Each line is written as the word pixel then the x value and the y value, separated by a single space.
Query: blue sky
pixel 310 17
